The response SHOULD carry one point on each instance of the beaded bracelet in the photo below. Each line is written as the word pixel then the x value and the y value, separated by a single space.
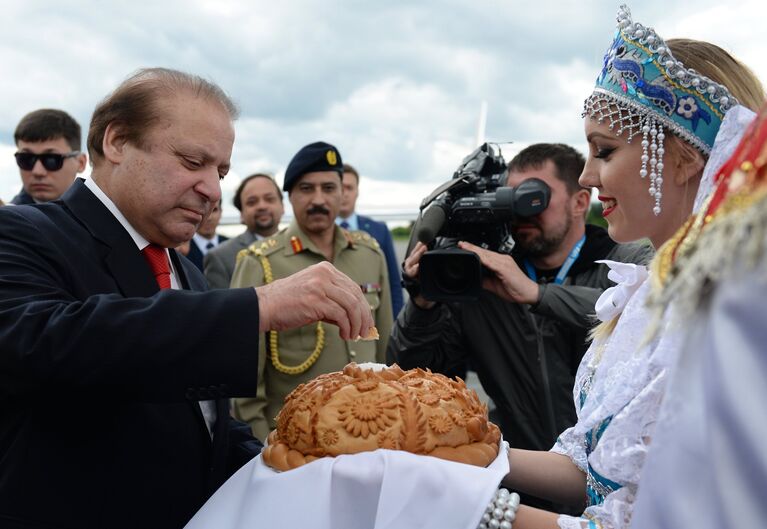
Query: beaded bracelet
pixel 501 511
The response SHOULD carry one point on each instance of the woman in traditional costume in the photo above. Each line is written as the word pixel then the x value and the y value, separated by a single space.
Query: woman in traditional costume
pixel 663 117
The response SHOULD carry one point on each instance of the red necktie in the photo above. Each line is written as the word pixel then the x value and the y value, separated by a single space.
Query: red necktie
pixel 157 258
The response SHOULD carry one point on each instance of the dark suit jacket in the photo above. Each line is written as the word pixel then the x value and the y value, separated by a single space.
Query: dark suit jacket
pixel 195 254
pixel 101 373
pixel 22 198
pixel 381 232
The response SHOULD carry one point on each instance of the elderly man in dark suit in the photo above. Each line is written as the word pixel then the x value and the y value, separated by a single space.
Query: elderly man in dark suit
pixel 259 200
pixel 112 373
pixel 349 220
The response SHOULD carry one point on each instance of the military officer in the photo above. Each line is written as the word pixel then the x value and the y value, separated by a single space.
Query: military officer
pixel 288 358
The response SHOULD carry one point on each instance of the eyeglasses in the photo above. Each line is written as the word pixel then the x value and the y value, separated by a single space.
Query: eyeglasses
pixel 52 161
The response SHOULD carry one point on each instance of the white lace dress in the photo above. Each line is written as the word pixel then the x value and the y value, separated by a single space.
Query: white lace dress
pixel 621 380
pixel 618 390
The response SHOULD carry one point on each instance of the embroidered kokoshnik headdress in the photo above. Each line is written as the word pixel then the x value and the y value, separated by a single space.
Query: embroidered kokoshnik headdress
pixel 643 89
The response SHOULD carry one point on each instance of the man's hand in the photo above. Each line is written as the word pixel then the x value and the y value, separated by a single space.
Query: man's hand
pixel 317 293
pixel 410 269
pixel 509 281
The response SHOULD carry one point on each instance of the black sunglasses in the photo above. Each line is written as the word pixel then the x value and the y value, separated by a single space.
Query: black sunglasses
pixel 52 161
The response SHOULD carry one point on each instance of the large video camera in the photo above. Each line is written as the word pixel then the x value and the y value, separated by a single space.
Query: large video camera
pixel 476 207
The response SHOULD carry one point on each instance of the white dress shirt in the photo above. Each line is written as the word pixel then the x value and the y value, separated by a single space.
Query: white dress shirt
pixel 351 220
pixel 204 244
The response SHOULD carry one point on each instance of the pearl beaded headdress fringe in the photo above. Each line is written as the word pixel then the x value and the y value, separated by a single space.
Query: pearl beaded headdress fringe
pixel 643 89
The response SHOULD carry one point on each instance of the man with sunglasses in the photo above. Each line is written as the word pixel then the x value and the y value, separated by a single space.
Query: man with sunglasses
pixel 48 155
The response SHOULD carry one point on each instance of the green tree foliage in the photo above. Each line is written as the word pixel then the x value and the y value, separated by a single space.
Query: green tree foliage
pixel 402 232
pixel 595 215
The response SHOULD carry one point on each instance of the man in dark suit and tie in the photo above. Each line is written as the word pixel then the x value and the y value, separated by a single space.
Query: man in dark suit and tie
pixel 113 376
pixel 350 220
pixel 206 239
pixel 259 201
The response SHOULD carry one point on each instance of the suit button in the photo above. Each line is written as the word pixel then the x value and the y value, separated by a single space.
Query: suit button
pixel 190 394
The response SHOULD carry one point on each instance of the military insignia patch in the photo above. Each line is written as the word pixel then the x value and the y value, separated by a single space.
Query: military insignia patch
pixel 295 243
pixel 370 287
pixel 331 156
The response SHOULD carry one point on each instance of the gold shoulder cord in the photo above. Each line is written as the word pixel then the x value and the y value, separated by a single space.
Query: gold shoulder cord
pixel 665 257
pixel 680 244
pixel 274 353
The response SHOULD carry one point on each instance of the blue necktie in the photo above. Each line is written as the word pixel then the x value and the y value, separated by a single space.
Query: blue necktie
pixel 344 225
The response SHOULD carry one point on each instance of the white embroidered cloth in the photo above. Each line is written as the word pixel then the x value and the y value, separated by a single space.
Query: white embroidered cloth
pixel 627 384
pixel 383 489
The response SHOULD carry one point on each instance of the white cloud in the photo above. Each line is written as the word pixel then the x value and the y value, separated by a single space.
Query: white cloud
pixel 397 86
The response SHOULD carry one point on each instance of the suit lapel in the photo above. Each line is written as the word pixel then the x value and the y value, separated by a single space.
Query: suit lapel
pixel 185 283
pixel 183 279
pixel 195 254
pixel 362 223
pixel 124 261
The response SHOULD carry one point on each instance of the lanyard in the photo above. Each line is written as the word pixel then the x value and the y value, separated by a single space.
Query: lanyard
pixel 574 253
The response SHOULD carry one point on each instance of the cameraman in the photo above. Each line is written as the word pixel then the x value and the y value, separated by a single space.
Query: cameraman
pixel 527 332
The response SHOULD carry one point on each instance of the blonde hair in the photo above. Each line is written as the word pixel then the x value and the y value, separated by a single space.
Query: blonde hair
pixel 718 65
pixel 603 330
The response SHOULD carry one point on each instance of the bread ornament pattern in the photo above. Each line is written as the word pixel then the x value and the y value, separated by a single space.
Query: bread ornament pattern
pixel 358 410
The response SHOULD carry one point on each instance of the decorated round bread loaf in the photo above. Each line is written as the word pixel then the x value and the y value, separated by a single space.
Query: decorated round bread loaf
pixel 357 410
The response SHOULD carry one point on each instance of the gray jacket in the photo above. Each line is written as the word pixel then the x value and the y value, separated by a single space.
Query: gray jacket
pixel 218 264
pixel 526 356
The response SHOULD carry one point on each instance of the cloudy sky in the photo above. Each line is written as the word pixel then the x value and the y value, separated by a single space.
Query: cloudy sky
pixel 396 86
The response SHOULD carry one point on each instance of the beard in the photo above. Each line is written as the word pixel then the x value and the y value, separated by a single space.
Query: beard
pixel 265 224
pixel 547 242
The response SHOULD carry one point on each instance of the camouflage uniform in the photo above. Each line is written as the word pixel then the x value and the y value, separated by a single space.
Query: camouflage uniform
pixel 357 255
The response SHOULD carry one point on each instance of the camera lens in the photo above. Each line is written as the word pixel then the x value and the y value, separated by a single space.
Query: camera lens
pixel 450 275
pixel 451 278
